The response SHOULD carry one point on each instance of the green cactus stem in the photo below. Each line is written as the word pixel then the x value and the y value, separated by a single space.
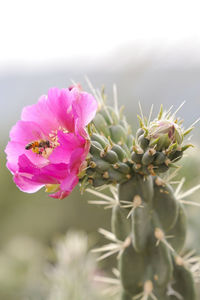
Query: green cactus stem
pixel 148 220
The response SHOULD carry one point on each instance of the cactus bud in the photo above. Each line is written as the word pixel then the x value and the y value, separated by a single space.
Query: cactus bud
pixel 119 151
pixel 160 158
pixel 148 157
pixel 143 142
pixel 100 139
pixel 101 125
pixel 139 132
pixel 118 133
pixel 95 148
pixel 109 156
pixel 136 157
pixel 163 133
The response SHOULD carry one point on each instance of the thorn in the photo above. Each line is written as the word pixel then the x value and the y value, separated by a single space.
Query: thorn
pixel 160 112
pixel 110 141
pixel 190 203
pixel 180 106
pixel 140 107
pixel 150 115
pixel 188 131
pixel 155 142
pixel 186 147
pixel 115 100
pixel 168 112
pixel 172 165
pixel 179 187
pixel 140 121
pixel 189 192
pixel 121 110
pixel 195 122
pixel 172 147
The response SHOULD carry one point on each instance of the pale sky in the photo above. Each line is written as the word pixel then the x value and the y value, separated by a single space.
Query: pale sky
pixel 43 32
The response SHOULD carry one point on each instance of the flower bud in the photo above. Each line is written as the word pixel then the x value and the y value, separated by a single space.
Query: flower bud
pixel 163 133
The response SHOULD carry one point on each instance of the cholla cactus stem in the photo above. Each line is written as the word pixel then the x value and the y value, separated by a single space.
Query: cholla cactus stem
pixel 148 219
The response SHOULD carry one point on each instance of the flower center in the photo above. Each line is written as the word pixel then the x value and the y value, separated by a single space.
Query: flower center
pixel 41 147
pixel 46 146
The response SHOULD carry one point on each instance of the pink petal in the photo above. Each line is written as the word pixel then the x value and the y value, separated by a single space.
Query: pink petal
pixel 26 184
pixel 25 132
pixel 66 187
pixel 41 114
pixel 76 159
pixel 50 174
pixel 68 143
pixel 84 108
pixel 69 183
pixel 60 194
pixel 13 151
pixel 52 111
pixel 60 102
pixel 30 178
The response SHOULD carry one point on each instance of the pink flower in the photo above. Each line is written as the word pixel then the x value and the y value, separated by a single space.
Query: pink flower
pixel 48 146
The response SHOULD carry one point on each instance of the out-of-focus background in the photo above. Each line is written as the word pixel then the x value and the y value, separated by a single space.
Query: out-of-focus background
pixel 151 50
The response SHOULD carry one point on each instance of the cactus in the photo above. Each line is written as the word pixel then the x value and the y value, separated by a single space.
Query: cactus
pixel 148 219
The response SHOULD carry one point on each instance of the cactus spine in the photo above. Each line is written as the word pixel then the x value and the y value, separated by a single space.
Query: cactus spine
pixel 147 218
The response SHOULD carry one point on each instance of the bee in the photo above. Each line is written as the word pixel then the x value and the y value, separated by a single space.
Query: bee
pixel 38 146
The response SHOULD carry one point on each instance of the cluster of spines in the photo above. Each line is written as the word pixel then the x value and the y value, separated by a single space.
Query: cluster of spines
pixel 150 156
pixel 148 159
pixel 109 160
pixel 107 164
